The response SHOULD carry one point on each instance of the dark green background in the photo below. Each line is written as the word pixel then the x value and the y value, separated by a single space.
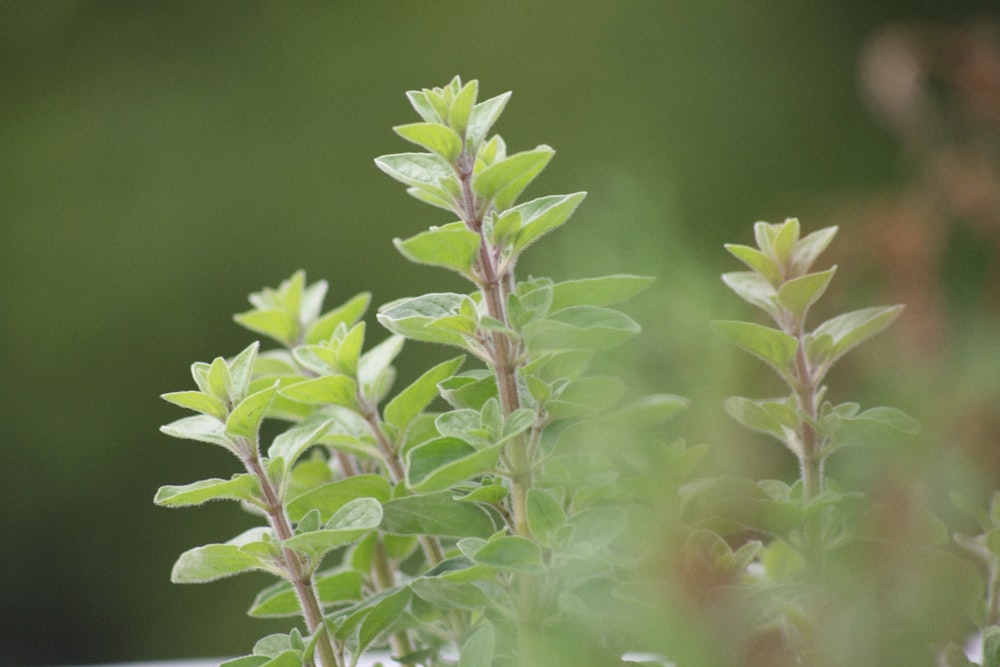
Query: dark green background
pixel 160 160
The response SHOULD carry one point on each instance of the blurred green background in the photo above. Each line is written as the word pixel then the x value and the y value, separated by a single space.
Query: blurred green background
pixel 161 160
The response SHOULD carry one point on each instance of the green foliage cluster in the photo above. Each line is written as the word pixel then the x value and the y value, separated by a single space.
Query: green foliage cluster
pixel 464 520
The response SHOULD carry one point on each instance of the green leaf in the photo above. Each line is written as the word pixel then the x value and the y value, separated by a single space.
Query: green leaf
pixel 809 248
pixel 603 291
pixel 246 661
pixel 461 107
pixel 348 524
pixel 423 106
pixel 783 238
pixel 580 328
pixel 244 421
pixel 511 552
pixel 382 616
pixel 773 417
pixel 200 402
pixel 330 498
pixel 595 528
pixel 540 216
pixel 408 403
pixel 435 514
pixel 414 318
pixel 505 179
pixel 275 323
pixel 444 462
pixel 280 599
pixel 478 649
pixel 453 246
pixel 291 444
pixel 373 365
pixel 851 329
pixel 798 294
pixel 774 347
pixel 436 138
pixel 202 428
pixel 243 487
pixel 755 290
pixel 757 261
pixel 241 371
pixel 327 389
pixel 447 594
pixel 416 169
pixel 347 314
pixel 483 116
pixel 545 516
pixel 217 561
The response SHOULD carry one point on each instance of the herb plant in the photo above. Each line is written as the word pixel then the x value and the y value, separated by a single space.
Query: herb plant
pixel 465 520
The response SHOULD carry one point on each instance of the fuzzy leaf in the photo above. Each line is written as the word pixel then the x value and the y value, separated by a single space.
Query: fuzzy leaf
pixel 348 524
pixel 415 169
pixel 809 248
pixel 291 444
pixel 603 291
pixel 453 246
pixel 447 594
pixel 217 561
pixel 580 328
pixel 444 462
pixel 798 294
pixel 202 428
pixel 436 138
pixel 754 289
pixel 415 318
pixel 243 487
pixel 330 498
pixel 774 347
pixel 757 261
pixel 198 401
pixel 435 514
pixel 478 649
pixel 773 417
pixel 505 179
pixel 275 323
pixel 327 389
pixel 545 516
pixel 348 314
pixel 382 616
pixel 407 404
pixel 483 116
pixel 512 553
pixel 244 421
pixel 851 329
pixel 540 216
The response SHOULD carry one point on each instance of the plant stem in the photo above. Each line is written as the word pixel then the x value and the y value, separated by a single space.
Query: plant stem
pixel 298 572
pixel 810 457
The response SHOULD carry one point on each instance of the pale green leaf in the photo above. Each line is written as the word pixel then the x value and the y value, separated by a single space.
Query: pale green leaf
pixel 580 328
pixel 757 261
pixel 217 561
pixel 773 417
pixel 505 179
pixel 453 246
pixel 198 401
pixel 202 428
pixel 444 462
pixel 348 524
pixel 798 294
pixel 275 323
pixel 477 650
pixel 408 403
pixel 376 361
pixel 447 594
pixel 330 498
pixel 809 248
pixel 244 421
pixel 414 317
pixel 241 370
pixel 774 347
pixel 461 107
pixel 435 137
pixel 545 516
pixel 327 389
pixel 242 487
pixel 541 216
pixel 292 443
pixel 382 616
pixel 512 553
pixel 435 514
pixel 280 599
pixel 483 116
pixel 415 169
pixel 851 329
pixel 603 291
pixel 755 290
pixel 348 314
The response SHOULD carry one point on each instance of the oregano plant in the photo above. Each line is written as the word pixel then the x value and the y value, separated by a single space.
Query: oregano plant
pixel 438 519
pixel 468 519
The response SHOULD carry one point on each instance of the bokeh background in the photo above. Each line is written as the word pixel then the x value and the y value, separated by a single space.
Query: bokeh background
pixel 161 160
